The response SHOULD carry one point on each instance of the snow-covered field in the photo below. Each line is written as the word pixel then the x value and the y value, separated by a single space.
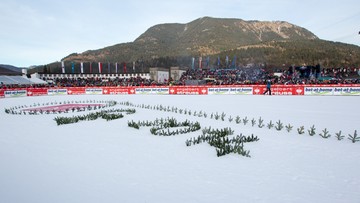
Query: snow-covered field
pixel 107 161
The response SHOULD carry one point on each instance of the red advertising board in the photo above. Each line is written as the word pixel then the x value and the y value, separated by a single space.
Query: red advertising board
pixel 287 90
pixel 259 89
pixel 37 91
pixel 118 90
pixel 280 89
pixel 75 90
pixel 188 90
pixel 298 90
pixel 339 89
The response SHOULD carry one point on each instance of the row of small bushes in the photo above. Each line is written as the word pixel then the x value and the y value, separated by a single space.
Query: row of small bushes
pixel 214 137
pixel 19 110
pixel 162 127
pixel 279 125
pixel 108 115
pixel 222 143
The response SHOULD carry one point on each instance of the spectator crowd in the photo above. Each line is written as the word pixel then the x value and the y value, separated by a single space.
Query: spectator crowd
pixel 237 76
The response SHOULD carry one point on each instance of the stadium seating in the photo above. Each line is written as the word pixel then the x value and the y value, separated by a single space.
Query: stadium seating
pixel 13 80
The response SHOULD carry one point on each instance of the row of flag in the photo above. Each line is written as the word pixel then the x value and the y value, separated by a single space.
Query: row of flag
pixel 206 63
pixel 202 63
pixel 99 66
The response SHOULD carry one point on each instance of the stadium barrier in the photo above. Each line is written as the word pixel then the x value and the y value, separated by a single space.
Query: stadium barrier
pixel 337 90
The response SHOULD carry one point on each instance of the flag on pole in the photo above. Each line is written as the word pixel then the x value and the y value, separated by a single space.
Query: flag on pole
pixel 124 67
pixel 109 67
pixel 200 62
pixel 218 62
pixel 133 66
pixel 227 61
pixel 100 67
pixel 193 63
pixel 208 62
pixel 233 63
pixel 116 68
pixel 90 67
pixel 72 67
pixel 63 67
pixel 82 67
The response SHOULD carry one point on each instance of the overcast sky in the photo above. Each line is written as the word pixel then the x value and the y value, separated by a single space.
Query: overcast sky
pixel 36 32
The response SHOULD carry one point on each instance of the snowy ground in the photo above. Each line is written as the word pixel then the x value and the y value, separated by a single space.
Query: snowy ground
pixel 106 161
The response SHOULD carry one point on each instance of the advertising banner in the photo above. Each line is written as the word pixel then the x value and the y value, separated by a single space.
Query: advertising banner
pixel 279 90
pixel 298 90
pixel 118 90
pixel 93 91
pixel 15 93
pixel 2 95
pixel 75 90
pixel 337 90
pixel 189 90
pixel 37 91
pixel 287 90
pixel 347 91
pixel 230 90
pixel 152 90
pixel 318 90
pixel 55 92
pixel 259 89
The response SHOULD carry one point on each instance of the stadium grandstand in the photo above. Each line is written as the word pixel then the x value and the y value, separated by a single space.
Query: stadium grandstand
pixel 211 76
pixel 255 75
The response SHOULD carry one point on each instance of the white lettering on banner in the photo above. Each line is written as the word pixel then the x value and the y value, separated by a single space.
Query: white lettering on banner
pixel 93 91
pixel 57 91
pixel 188 91
pixel 15 93
pixel 116 91
pixel 282 93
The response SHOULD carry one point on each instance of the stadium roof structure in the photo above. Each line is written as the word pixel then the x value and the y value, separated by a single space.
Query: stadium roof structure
pixel 13 80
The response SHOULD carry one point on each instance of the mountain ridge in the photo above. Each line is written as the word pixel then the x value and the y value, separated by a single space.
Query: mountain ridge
pixel 202 36
pixel 9 70
pixel 273 43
